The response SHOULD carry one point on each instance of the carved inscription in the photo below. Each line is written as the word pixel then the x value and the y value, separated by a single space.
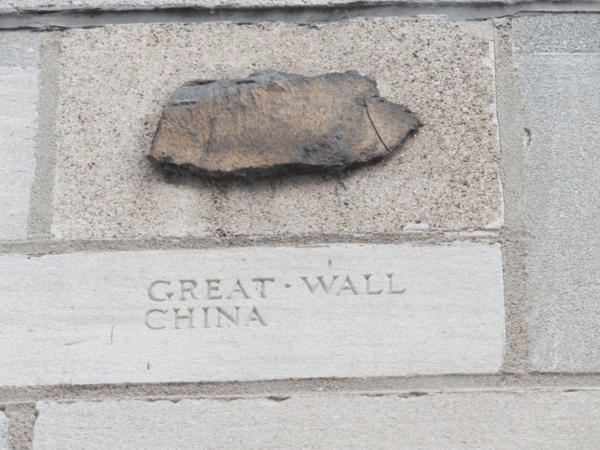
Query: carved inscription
pixel 219 303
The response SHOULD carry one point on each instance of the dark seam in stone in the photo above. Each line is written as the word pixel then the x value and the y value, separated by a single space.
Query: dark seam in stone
pixel 374 127
pixel 74 18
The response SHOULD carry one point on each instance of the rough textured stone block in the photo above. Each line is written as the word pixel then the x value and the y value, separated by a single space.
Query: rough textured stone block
pixel 471 420
pixel 558 61
pixel 446 176
pixel 251 313
pixel 277 123
pixel 19 96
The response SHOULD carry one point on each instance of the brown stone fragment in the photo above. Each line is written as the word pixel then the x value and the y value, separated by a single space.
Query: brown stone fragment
pixel 274 123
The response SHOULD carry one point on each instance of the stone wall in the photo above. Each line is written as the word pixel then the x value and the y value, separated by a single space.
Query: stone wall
pixel 445 297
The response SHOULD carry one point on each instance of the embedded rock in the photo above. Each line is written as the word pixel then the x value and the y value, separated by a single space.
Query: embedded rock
pixel 274 123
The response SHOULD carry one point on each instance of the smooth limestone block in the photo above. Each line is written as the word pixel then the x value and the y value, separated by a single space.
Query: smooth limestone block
pixel 19 97
pixel 116 80
pixel 4 432
pixel 558 61
pixel 467 420
pixel 251 313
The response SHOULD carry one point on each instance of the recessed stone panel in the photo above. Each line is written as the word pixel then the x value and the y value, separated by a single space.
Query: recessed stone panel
pixel 115 81
pixel 251 313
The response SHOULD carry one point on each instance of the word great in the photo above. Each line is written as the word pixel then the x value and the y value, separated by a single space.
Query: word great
pixel 258 287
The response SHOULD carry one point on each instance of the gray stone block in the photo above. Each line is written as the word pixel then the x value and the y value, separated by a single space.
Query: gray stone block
pixel 558 61
pixel 564 33
pixel 19 97
pixel 549 419
pixel 20 49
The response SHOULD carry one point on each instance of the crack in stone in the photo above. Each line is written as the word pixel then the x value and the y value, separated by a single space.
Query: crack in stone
pixel 374 127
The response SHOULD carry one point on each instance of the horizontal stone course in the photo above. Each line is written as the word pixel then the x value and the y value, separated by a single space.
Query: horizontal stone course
pixel 549 419
pixel 251 314
pixel 10 6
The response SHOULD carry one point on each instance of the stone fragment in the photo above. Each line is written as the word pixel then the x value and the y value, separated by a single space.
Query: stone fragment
pixel 274 122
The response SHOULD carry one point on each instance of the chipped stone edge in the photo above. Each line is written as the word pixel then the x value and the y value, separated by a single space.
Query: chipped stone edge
pixel 42 192
pixel 4 426
pixel 485 30
pixel 511 117
pixel 422 237
pixel 21 421
pixel 174 390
